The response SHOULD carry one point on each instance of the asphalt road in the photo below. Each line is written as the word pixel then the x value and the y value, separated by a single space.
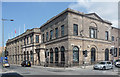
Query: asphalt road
pixel 19 71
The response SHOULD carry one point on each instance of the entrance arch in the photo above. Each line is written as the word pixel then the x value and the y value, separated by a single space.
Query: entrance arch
pixel 107 54
pixel 93 55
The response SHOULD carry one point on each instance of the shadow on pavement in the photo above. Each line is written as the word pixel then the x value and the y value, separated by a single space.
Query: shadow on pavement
pixel 11 75
pixel 18 75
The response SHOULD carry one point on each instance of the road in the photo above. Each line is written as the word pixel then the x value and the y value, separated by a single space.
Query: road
pixel 39 70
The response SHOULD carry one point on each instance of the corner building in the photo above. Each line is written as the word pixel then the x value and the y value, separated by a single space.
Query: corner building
pixel 64 37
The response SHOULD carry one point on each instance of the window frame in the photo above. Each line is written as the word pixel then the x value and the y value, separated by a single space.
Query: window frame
pixel 113 38
pixel 75 54
pixel 24 41
pixel 31 39
pixel 37 39
pixel 51 56
pixel 94 34
pixel 27 40
pixel 47 36
pixel 75 29
pixel 51 34
pixel 43 38
pixel 56 32
pixel 62 30
pixel 106 35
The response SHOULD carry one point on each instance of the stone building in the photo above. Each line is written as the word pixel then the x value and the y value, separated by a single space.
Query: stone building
pixel 23 46
pixel 62 40
pixel 115 37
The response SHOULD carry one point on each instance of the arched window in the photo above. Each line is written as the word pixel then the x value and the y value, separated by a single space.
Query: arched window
pixel 75 54
pixel 93 30
pixel 106 54
pixel 93 56
pixel 62 54
pixel 51 55
pixel 24 56
pixel 56 55
pixel 27 55
pixel 31 56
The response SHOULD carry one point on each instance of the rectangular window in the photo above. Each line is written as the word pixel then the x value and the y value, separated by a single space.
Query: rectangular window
pixel 112 38
pixel 75 30
pixel 46 36
pixel 43 38
pixel 37 38
pixel 106 35
pixel 56 32
pixel 24 41
pixel 51 34
pixel 27 40
pixel 62 30
pixel 93 33
pixel 31 39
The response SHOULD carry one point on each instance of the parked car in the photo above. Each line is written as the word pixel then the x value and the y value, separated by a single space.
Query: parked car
pixel 6 64
pixel 26 64
pixel 117 63
pixel 103 65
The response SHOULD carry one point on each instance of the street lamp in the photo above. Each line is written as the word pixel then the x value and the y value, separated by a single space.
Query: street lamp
pixel 3 37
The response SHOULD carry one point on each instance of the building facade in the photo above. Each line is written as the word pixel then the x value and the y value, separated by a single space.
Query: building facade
pixel 62 40
pixel 23 46
pixel 115 37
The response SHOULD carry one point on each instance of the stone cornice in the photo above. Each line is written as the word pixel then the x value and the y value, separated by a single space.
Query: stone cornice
pixel 75 12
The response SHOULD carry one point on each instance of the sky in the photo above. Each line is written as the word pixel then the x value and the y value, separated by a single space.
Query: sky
pixel 34 14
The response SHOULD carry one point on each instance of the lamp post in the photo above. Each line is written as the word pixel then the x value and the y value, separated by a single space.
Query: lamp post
pixel 3 37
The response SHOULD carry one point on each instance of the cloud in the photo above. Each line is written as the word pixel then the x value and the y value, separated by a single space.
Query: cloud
pixel 106 10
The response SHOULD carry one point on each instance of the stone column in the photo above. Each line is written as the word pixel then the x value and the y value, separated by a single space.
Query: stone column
pixel 42 56
pixel 54 56
pixel 59 56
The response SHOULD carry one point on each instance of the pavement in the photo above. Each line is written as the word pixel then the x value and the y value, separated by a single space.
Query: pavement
pixel 40 70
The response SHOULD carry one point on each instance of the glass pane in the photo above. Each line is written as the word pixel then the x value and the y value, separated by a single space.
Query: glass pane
pixel 47 36
pixel 75 29
pixel 51 34
pixel 62 30
pixel 56 32
pixel 75 54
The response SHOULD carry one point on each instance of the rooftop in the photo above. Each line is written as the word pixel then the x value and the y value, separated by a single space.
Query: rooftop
pixel 79 13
